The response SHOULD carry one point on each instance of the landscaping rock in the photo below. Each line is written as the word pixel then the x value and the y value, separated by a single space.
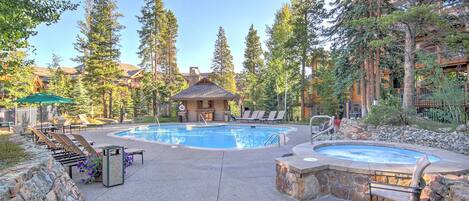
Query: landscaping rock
pixel 456 141
pixel 38 178
pixel 461 128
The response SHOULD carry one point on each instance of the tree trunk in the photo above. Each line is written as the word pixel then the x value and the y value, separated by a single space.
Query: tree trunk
pixel 363 97
pixel 409 67
pixel 104 104
pixel 302 101
pixel 371 81
pixel 153 103
pixel 110 104
pixel 377 72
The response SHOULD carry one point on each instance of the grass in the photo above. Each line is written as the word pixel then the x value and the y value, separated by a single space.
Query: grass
pixel 10 153
pixel 151 119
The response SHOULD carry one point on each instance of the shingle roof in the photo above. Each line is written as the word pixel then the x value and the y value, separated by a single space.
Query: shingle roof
pixel 204 90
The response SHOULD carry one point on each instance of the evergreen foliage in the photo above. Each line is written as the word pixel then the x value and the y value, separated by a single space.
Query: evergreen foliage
pixel 253 64
pixel 307 18
pixel 222 63
pixel 99 45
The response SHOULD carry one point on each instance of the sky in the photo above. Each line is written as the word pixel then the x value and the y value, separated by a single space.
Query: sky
pixel 198 26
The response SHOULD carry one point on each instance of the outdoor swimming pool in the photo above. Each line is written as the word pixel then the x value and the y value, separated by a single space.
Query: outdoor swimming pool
pixel 212 136
pixel 373 154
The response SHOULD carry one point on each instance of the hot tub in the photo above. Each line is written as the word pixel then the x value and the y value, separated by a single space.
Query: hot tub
pixel 373 154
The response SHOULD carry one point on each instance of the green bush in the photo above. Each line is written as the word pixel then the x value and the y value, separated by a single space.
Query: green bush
pixel 389 112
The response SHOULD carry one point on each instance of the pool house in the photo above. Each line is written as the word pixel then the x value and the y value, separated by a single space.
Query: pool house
pixel 204 100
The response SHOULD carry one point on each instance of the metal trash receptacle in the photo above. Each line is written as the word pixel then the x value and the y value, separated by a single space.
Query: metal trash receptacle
pixel 113 166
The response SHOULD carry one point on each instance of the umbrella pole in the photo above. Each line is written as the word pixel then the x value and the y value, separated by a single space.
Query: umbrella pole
pixel 40 114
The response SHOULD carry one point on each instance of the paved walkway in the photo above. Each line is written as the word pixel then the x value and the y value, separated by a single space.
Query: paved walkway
pixel 190 174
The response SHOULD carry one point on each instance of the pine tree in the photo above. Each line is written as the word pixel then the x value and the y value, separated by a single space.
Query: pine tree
pixel 356 59
pixel 414 19
pixel 222 63
pixel 60 84
pixel 174 80
pixel 307 17
pixel 80 95
pixel 152 44
pixel 253 66
pixel 100 50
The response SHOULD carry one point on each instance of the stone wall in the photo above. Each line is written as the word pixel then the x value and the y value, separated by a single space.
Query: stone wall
pixel 38 178
pixel 350 185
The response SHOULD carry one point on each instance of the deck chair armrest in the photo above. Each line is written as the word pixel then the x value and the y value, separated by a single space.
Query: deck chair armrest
pixel 392 187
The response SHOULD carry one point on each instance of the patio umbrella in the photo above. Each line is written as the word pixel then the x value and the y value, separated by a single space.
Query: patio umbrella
pixel 43 98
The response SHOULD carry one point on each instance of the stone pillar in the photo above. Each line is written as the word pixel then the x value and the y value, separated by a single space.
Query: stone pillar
pixel 299 186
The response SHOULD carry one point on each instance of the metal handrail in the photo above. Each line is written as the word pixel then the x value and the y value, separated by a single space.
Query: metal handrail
pixel 271 138
pixel 315 135
pixel 201 116
pixel 157 121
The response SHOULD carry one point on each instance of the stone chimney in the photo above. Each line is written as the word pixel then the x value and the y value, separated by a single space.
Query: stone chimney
pixel 194 75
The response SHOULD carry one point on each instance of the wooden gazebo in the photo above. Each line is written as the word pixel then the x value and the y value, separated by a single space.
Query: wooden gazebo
pixel 204 100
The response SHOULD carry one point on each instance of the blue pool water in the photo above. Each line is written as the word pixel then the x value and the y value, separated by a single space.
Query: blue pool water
pixel 373 154
pixel 216 137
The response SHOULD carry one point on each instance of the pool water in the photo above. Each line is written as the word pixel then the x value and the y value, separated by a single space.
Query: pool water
pixel 373 154
pixel 214 136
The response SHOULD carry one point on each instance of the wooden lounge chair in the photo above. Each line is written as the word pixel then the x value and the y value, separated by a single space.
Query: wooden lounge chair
pixel 402 193
pixel 76 155
pixel 41 137
pixel 94 150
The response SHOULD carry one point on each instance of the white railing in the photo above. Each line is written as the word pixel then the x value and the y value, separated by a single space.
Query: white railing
pixel 202 117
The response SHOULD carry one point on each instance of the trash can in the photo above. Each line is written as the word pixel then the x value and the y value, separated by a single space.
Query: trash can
pixel 113 166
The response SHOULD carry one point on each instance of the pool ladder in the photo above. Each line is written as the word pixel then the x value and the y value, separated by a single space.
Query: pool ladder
pixel 271 138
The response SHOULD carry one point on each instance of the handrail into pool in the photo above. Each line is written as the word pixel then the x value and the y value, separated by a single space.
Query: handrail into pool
pixel 273 137
pixel 201 116
pixel 319 133
pixel 157 121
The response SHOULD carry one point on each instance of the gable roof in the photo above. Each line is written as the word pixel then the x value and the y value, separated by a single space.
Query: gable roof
pixel 204 90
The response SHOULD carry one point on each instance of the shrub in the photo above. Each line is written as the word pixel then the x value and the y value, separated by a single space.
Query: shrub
pixel 389 112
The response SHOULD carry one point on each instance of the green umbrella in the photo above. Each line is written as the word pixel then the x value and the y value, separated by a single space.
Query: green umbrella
pixel 43 98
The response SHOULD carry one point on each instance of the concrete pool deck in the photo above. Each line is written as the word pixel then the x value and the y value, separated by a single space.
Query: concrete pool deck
pixel 193 174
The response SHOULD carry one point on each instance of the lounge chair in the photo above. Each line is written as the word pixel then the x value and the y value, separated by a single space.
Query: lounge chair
pixel 41 137
pixel 271 117
pixel 253 116
pixel 260 115
pixel 402 193
pixel 279 118
pixel 245 116
pixel 93 149
pixel 76 154
pixel 256 115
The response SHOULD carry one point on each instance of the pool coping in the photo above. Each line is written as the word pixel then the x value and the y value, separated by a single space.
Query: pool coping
pixel 283 141
pixel 449 163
